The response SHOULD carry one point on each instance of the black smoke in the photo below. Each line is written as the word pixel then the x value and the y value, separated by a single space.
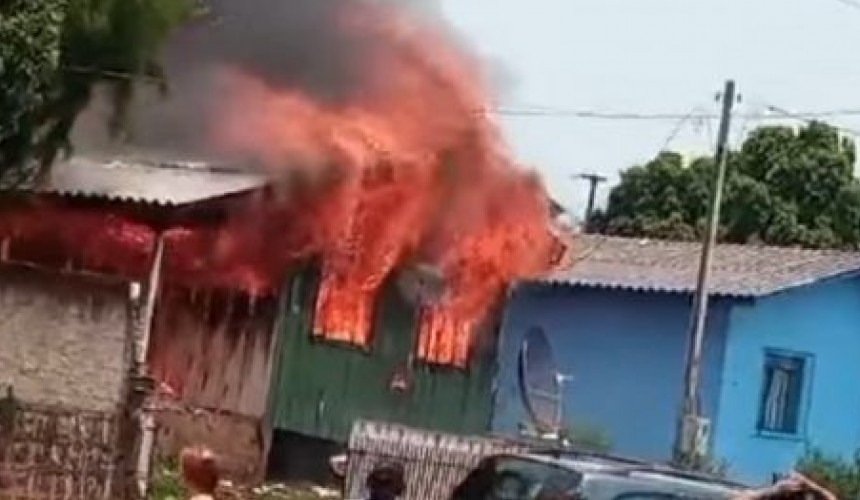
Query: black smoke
pixel 321 47
pixel 307 45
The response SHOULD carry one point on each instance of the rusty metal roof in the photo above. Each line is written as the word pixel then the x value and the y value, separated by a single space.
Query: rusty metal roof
pixel 143 181
pixel 672 266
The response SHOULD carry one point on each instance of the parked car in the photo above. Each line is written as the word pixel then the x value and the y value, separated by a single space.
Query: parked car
pixel 575 476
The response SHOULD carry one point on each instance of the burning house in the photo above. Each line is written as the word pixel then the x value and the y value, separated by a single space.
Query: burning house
pixel 355 272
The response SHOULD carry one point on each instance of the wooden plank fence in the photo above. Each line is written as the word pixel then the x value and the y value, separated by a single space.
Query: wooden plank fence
pixel 434 462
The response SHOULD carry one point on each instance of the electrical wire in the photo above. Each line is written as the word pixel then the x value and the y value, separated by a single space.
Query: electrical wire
pixel 677 129
pixel 630 116
pixel 114 75
pixel 787 114
pixel 562 112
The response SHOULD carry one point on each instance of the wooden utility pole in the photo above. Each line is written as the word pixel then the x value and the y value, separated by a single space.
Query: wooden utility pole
pixel 687 449
pixel 593 180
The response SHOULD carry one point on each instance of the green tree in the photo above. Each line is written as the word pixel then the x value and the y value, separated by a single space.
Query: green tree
pixel 839 475
pixel 783 187
pixel 62 51
pixel 29 56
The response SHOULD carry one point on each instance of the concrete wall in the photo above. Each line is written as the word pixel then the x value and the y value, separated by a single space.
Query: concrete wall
pixel 625 351
pixel 821 321
pixel 65 347
pixel 63 339
pixel 235 439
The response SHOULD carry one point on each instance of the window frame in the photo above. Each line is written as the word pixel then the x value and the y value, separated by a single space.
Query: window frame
pixel 802 390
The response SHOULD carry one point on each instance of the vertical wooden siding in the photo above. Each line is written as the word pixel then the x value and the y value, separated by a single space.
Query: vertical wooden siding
pixel 321 387
pixel 214 348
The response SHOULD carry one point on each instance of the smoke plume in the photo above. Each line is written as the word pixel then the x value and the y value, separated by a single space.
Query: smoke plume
pixel 322 48
pixel 389 109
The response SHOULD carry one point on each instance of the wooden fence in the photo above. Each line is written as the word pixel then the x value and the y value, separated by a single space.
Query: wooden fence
pixel 434 462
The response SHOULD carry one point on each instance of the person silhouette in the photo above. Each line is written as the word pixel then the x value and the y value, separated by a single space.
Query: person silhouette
pixel 386 482
pixel 199 472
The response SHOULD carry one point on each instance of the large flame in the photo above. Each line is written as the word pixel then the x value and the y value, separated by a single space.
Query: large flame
pixel 423 171
pixel 407 168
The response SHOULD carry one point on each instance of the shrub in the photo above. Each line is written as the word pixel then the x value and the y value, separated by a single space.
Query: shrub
pixel 838 474
pixel 165 482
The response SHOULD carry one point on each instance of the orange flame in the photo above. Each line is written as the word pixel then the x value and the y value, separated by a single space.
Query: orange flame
pixel 422 169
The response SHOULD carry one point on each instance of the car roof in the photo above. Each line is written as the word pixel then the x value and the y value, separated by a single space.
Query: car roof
pixel 628 470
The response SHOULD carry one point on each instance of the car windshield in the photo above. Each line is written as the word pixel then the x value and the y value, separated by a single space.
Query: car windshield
pixel 511 478
pixel 515 478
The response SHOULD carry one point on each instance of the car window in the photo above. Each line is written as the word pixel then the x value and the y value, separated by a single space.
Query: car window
pixel 512 478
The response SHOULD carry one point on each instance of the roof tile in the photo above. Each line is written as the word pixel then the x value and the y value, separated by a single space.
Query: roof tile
pixel 162 183
pixel 672 266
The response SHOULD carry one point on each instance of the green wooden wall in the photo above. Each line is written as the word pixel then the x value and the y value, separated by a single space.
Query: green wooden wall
pixel 319 388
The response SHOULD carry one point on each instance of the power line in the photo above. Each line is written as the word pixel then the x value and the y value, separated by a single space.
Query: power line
pixel 666 116
pixel 787 114
pixel 689 117
pixel 114 75
pixel 562 112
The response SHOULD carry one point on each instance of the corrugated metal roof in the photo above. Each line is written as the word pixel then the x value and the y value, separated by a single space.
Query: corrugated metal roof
pixel 154 182
pixel 672 266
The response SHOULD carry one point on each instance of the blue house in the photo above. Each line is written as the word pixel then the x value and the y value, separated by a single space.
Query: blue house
pixel 781 359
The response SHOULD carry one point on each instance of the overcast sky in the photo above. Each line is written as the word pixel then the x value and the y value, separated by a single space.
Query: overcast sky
pixel 650 57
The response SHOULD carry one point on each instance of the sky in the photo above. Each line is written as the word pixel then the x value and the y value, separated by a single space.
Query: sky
pixel 655 56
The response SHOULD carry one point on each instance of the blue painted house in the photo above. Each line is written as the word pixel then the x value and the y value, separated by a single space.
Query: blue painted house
pixel 781 359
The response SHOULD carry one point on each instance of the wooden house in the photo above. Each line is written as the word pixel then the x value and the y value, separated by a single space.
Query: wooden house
pixel 247 375
pixel 320 386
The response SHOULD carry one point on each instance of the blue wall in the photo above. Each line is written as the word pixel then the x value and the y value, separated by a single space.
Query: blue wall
pixel 625 351
pixel 821 320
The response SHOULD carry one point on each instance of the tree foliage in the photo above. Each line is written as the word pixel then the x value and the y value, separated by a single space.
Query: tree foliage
pixel 783 187
pixel 29 55
pixel 837 474
pixel 60 51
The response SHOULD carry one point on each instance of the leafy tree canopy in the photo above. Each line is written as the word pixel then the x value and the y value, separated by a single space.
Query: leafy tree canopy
pixel 29 56
pixel 841 475
pixel 783 187
pixel 53 54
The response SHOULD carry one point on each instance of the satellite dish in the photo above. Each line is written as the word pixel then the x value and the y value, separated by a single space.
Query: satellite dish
pixel 540 383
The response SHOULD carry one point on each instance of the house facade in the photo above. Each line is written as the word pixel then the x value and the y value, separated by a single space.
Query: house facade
pixel 782 334
pixel 209 349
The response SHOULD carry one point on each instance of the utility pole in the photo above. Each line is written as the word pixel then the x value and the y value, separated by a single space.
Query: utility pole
pixel 690 423
pixel 593 180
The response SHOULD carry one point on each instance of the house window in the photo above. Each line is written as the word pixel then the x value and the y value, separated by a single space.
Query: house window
pixel 782 393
